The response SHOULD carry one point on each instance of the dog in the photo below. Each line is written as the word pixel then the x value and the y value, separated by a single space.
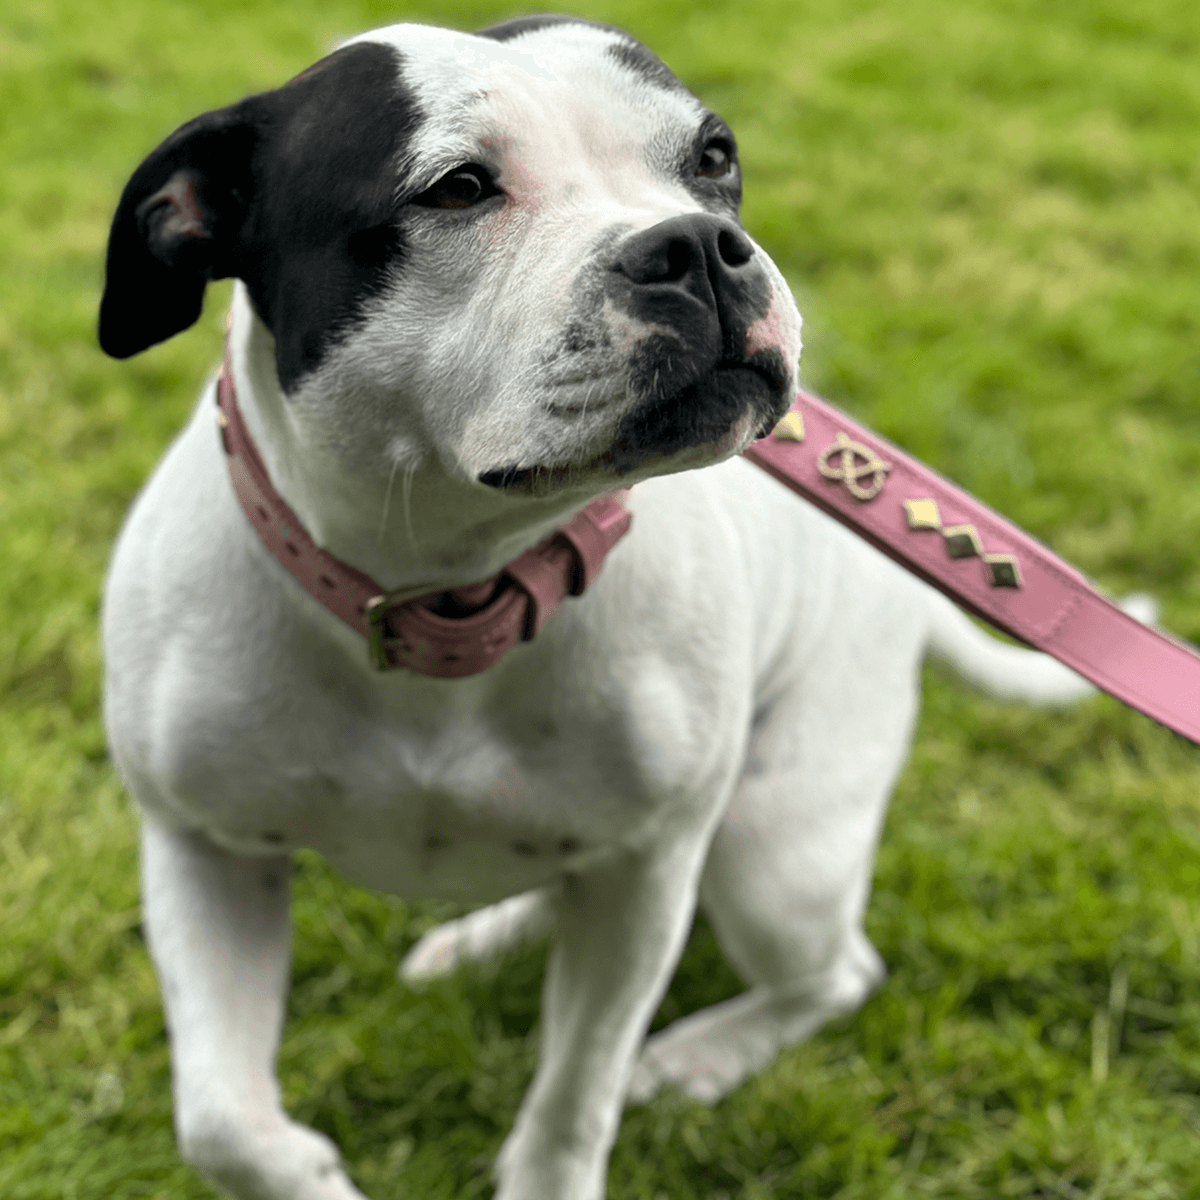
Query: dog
pixel 483 280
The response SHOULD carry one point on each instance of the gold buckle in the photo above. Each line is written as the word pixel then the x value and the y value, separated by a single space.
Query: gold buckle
pixel 376 611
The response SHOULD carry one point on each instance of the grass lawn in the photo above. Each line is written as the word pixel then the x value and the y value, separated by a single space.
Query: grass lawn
pixel 990 212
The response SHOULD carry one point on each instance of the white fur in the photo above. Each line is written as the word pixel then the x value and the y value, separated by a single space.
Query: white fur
pixel 721 717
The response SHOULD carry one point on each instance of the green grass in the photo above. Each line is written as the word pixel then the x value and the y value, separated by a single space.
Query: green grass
pixel 990 211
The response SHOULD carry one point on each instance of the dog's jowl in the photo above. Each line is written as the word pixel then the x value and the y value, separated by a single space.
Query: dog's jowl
pixel 484 281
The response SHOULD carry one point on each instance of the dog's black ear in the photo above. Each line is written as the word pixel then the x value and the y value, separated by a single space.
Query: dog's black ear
pixel 179 224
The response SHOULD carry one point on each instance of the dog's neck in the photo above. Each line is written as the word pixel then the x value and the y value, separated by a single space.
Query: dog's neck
pixel 404 519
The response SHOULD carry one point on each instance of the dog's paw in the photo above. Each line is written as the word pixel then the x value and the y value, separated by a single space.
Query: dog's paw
pixel 433 957
pixel 273 1159
pixel 706 1055
pixel 480 936
pixel 700 1072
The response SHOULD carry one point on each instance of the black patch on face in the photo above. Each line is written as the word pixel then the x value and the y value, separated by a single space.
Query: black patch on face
pixel 292 191
pixel 324 236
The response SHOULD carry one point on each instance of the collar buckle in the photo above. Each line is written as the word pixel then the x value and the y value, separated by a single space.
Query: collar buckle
pixel 377 610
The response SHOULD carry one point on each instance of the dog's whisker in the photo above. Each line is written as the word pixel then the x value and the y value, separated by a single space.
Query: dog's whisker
pixel 387 500
pixel 406 502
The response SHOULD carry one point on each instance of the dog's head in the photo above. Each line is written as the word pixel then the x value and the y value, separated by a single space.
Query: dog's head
pixel 519 251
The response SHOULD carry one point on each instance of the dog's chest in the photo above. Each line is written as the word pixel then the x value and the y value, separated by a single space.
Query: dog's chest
pixel 469 805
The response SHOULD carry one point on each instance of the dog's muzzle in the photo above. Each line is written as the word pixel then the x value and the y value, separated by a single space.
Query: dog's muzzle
pixel 695 286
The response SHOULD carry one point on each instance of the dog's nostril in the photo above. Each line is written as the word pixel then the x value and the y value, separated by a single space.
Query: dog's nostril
pixel 735 249
pixel 677 261
pixel 667 261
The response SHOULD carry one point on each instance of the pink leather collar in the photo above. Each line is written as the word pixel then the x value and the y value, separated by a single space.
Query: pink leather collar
pixel 980 560
pixel 406 631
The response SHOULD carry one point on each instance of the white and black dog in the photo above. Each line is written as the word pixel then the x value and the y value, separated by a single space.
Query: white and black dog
pixel 484 279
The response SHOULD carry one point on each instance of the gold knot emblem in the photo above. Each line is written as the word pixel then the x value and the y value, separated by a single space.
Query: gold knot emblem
pixel 851 462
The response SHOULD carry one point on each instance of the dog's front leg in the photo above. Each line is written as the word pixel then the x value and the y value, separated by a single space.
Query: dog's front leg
pixel 620 931
pixel 219 932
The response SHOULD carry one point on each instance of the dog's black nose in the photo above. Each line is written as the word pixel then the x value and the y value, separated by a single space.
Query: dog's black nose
pixel 698 253
pixel 696 276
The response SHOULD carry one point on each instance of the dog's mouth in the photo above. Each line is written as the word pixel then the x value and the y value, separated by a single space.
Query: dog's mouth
pixel 516 478
pixel 717 415
pixel 767 366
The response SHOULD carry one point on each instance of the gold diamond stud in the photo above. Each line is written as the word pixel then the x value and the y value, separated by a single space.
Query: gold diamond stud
pixel 1003 570
pixel 922 514
pixel 790 428
pixel 962 541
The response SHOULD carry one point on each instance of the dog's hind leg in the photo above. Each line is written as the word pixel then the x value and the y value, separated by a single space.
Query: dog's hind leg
pixel 479 936
pixel 788 874
pixel 219 933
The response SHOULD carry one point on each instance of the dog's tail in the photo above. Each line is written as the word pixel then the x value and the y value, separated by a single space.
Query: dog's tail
pixel 480 936
pixel 1011 672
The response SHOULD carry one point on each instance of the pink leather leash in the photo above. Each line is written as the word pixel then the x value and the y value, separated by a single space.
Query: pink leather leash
pixel 977 558
pixel 403 631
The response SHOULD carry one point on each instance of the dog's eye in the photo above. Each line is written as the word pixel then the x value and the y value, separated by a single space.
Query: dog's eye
pixel 716 161
pixel 464 187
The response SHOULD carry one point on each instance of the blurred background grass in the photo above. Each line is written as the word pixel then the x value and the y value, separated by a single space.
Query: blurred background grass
pixel 989 211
